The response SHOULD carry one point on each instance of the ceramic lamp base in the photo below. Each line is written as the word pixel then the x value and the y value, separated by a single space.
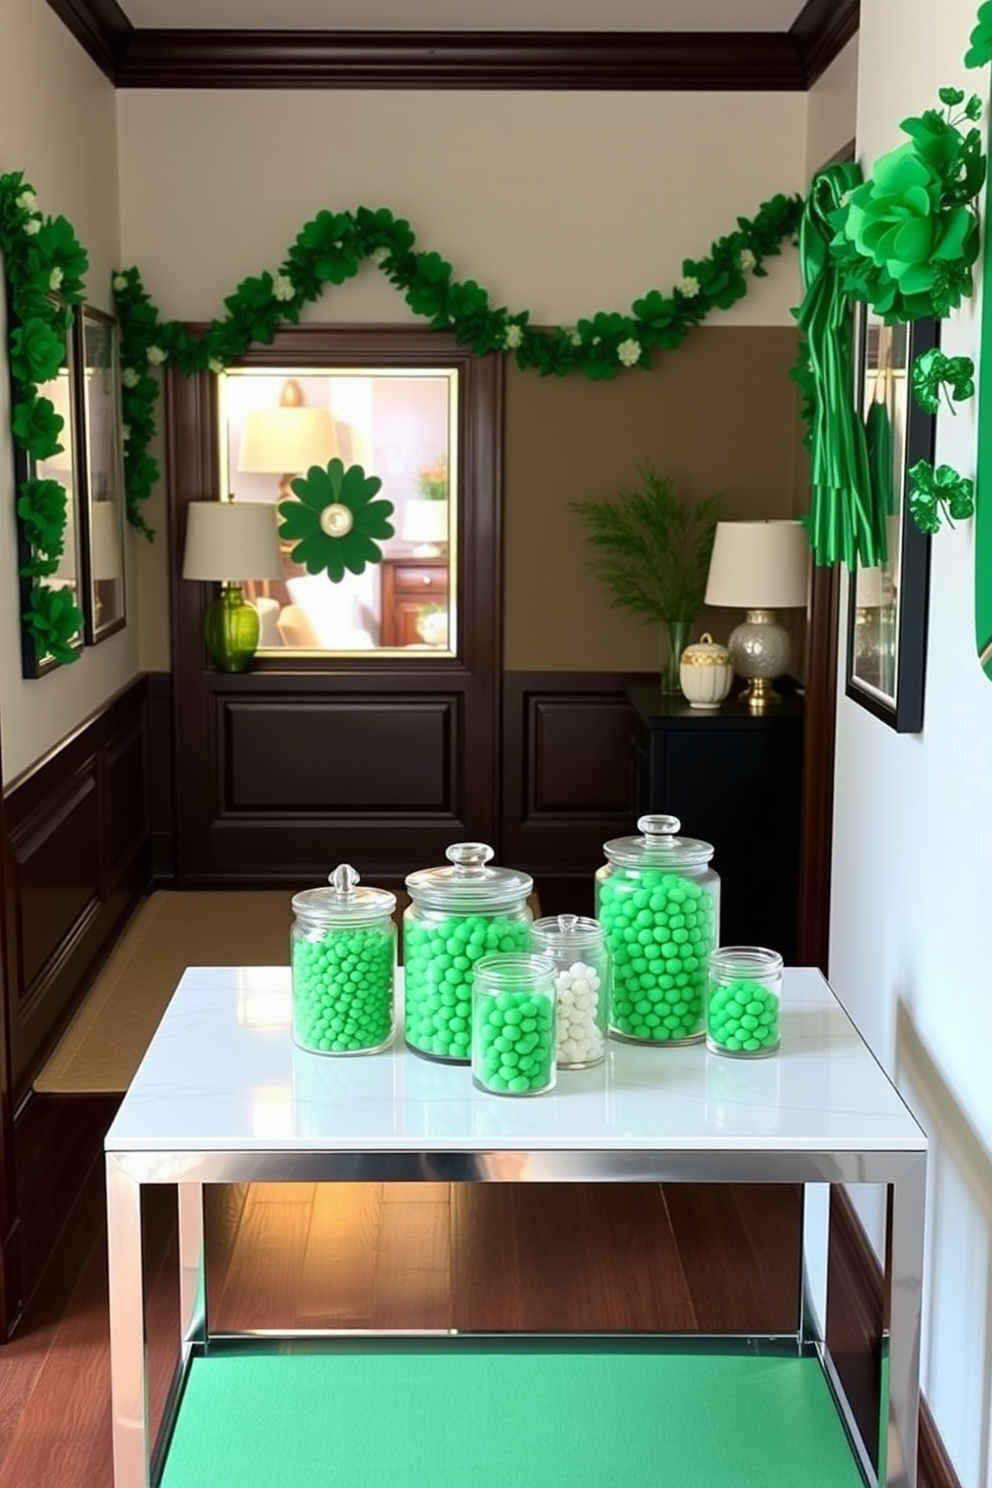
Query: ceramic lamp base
pixel 231 629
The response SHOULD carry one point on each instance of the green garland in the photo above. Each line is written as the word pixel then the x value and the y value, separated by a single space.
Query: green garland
pixel 44 266
pixel 331 249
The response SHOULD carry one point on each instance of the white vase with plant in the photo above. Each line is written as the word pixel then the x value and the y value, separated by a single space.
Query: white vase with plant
pixel 651 549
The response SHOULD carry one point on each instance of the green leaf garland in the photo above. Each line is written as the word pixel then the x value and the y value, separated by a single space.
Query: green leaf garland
pixel 44 265
pixel 331 249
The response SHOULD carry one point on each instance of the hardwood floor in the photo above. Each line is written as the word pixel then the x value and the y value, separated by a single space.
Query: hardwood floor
pixel 414 1256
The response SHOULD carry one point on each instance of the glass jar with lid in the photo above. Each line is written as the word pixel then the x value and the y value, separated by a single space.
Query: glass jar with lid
pixel 743 1001
pixel 513 1024
pixel 343 960
pixel 658 900
pixel 457 915
pixel 577 946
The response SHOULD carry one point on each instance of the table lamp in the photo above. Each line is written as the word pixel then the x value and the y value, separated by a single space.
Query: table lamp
pixel 287 440
pixel 426 524
pixel 759 567
pixel 231 541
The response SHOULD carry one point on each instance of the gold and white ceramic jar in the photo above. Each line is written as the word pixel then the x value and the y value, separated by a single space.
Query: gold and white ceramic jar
pixel 706 673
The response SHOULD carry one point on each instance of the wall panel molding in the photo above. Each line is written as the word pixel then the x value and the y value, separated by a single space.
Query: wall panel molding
pixel 646 61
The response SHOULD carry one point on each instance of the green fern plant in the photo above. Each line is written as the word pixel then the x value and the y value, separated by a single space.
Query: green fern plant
pixel 651 547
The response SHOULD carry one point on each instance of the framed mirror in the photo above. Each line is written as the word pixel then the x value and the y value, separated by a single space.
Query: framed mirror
pixel 888 604
pixel 103 552
pixel 400 425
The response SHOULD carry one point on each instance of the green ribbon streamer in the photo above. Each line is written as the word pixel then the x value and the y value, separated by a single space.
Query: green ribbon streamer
pixel 844 520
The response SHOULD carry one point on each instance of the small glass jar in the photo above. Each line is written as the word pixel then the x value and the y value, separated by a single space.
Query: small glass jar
pixel 577 946
pixel 456 916
pixel 659 903
pixel 343 959
pixel 744 1001
pixel 513 1024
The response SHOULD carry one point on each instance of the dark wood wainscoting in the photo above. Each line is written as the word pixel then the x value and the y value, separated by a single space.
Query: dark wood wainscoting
pixel 567 777
pixel 79 858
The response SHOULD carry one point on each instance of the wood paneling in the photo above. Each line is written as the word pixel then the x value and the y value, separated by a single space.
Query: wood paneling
pixel 308 761
pixel 77 828
pixel 176 58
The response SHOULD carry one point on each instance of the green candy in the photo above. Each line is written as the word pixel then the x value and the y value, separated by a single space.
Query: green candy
pixel 515 1044
pixel 743 1017
pixel 438 959
pixel 343 990
pixel 660 930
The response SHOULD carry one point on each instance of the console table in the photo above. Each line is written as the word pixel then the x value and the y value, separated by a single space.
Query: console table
pixel 820 1112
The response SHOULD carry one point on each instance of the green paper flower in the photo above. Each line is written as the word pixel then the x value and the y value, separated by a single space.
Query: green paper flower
pixel 897 221
pixel 41 508
pixel 980 51
pixel 36 352
pixel 37 427
pixel 335 521
pixel 933 371
pixel 53 618
pixel 937 492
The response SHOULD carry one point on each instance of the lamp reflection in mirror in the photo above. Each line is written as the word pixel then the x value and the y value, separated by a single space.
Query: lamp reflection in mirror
pixel 231 542
pixel 287 440
pixel 426 524
pixel 759 567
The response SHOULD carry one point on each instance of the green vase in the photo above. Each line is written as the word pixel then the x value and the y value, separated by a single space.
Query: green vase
pixel 676 638
pixel 231 629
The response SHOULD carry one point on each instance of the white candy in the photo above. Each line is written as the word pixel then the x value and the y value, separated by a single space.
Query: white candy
pixel 580 1040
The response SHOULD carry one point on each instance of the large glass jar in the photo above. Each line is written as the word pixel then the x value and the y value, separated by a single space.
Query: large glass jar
pixel 513 1024
pixel 577 946
pixel 457 915
pixel 343 959
pixel 659 903
pixel 743 1001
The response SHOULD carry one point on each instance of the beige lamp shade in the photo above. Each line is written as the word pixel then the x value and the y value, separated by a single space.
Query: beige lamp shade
pixel 759 566
pixel 231 541
pixel 425 521
pixel 281 441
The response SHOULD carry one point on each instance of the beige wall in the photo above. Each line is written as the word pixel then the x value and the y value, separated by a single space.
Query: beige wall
pixel 561 203
pixel 58 125
pixel 832 109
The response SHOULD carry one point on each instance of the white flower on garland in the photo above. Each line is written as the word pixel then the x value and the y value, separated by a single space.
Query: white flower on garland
pixel 747 260
pixel 215 365
pixel 379 255
pixel 120 282
pixel 27 201
pixel 688 287
pixel 283 287
pixel 32 226
pixel 125 433
pixel 129 377
pixel 629 352
pixel 575 337
pixel 55 278
pixel 156 355
pixel 512 337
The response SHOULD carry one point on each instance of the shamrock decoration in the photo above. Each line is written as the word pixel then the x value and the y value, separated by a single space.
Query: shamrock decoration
pixel 335 521
pixel 980 51
pixel 933 370
pixel 939 491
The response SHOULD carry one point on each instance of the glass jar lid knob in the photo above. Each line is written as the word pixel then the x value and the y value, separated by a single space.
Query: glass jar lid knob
pixel 344 880
pixel 658 830
pixel 567 923
pixel 469 858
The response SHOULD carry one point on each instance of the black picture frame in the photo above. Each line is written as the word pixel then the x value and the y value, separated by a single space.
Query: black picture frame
pixel 888 607
pixel 97 359
pixel 65 467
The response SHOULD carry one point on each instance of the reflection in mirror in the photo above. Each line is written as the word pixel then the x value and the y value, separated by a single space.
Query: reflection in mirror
pixel 104 478
pixel 885 407
pixel 397 424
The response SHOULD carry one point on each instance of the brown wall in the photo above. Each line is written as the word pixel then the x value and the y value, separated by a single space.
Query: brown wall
pixel 720 414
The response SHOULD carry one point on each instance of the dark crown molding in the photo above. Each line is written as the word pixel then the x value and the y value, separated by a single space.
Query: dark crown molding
pixel 636 61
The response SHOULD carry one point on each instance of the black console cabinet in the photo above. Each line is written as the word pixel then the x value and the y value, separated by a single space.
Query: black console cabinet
pixel 733 778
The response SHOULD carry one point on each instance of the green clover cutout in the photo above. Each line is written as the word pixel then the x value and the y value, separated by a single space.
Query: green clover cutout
pixel 937 492
pixel 335 522
pixel 933 371
pixel 980 51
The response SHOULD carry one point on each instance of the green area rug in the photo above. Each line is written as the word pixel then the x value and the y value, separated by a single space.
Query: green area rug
pixel 467 1414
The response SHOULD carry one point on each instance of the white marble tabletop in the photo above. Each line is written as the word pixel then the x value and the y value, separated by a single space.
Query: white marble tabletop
pixel 222 1075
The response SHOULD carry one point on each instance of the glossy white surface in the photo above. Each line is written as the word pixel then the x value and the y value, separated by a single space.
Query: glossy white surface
pixel 223 1075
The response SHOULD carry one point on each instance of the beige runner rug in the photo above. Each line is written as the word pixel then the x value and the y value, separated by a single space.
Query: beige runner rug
pixel 104 1044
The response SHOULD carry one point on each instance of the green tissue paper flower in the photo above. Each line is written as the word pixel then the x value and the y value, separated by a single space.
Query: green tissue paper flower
pixel 335 522
pixel 41 508
pixel 36 352
pixel 939 492
pixel 37 427
pixel 933 371
pixel 980 51
pixel 53 618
